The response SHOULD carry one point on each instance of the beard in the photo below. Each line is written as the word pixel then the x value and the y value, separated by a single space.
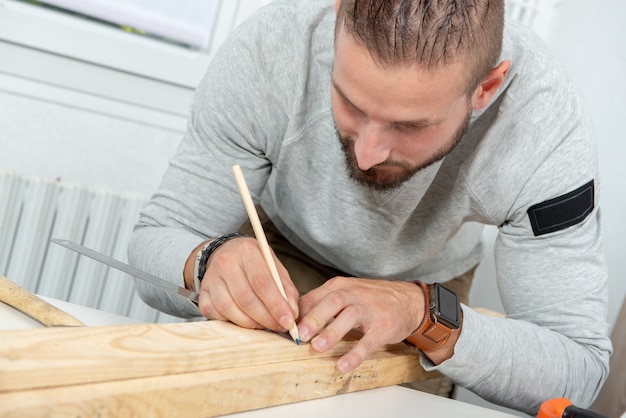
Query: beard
pixel 392 174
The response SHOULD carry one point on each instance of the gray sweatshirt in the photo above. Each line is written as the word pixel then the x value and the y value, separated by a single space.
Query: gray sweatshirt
pixel 527 164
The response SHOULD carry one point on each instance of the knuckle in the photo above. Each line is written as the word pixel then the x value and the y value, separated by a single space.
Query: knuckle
pixel 332 334
pixel 306 303
pixel 352 312
pixel 336 282
pixel 221 305
pixel 388 334
pixel 223 255
pixel 313 321
pixel 245 300
pixel 261 282
pixel 209 311
pixel 368 346
pixel 206 310
pixel 335 298
pixel 246 246
pixel 219 260
pixel 387 323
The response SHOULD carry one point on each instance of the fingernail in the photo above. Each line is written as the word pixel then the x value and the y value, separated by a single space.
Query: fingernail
pixel 319 343
pixel 343 366
pixel 304 334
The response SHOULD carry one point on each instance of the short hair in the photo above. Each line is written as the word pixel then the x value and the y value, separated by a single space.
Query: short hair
pixel 430 33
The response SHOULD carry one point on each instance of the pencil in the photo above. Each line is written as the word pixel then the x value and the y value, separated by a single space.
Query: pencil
pixel 261 238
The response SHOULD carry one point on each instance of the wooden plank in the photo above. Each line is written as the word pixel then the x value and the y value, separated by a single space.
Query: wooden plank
pixel 52 357
pixel 212 393
pixel 32 305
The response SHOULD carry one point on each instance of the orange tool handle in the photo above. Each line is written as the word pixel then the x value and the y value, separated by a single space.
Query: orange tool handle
pixel 563 408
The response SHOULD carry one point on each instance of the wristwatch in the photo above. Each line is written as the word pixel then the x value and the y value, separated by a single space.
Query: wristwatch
pixel 443 314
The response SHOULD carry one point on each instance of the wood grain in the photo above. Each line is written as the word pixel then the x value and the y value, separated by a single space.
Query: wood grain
pixel 191 369
pixel 211 393
pixel 26 302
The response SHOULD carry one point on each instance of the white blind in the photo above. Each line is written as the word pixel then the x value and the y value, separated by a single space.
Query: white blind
pixel 64 58
pixel 189 22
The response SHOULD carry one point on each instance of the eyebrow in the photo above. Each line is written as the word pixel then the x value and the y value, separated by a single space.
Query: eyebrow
pixel 416 122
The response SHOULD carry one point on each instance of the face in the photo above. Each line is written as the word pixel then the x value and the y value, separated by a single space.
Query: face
pixel 394 121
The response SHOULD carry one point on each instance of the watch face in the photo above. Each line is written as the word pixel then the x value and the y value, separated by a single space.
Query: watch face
pixel 447 308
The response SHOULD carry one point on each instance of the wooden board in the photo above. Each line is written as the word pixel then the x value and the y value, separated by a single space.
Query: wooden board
pixel 192 369
pixel 32 305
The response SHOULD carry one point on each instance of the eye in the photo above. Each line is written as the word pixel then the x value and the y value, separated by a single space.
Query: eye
pixel 348 104
pixel 408 127
pixel 349 109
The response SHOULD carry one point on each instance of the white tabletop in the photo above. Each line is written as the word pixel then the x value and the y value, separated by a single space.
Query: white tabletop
pixel 13 319
pixel 393 401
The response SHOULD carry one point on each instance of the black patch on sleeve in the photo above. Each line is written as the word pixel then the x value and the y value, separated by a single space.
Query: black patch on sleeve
pixel 563 211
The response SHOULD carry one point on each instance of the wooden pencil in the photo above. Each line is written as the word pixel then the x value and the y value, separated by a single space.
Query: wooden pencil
pixel 261 238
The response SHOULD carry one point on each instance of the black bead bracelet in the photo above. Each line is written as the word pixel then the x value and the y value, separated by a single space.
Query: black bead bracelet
pixel 210 249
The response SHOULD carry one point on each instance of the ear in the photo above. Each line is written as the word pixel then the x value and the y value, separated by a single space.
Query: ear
pixel 487 89
pixel 337 5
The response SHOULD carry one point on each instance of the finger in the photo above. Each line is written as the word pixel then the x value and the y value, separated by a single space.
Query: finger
pixel 308 301
pixel 362 350
pixel 320 306
pixel 278 313
pixel 336 330
pixel 205 305
pixel 220 304
pixel 231 271
pixel 247 302
pixel 207 309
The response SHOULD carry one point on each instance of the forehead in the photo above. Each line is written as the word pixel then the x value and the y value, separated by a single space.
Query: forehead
pixel 406 90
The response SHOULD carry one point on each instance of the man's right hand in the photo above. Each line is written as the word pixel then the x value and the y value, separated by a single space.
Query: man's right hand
pixel 239 287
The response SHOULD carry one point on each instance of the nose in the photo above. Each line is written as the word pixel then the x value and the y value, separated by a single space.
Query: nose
pixel 370 148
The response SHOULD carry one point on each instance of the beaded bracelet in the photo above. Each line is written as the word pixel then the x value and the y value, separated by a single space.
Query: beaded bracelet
pixel 206 253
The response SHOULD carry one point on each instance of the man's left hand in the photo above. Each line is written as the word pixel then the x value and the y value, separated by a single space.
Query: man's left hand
pixel 385 311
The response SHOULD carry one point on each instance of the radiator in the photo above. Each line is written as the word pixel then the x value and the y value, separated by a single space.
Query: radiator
pixel 34 209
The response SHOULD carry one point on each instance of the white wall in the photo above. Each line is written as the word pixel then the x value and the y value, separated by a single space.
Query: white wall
pixel 590 40
pixel 93 104
pixel 53 140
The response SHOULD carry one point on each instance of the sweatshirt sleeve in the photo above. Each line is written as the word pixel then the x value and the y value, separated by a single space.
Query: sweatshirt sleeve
pixel 553 341
pixel 550 269
pixel 236 118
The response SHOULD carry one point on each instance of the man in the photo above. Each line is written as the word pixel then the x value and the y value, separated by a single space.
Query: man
pixel 377 136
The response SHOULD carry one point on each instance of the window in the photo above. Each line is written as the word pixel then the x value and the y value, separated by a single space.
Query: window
pixel 64 58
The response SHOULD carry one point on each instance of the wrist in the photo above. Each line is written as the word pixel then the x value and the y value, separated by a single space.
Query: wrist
pixel 447 350
pixel 441 322
pixel 196 266
pixel 203 254
pixel 189 271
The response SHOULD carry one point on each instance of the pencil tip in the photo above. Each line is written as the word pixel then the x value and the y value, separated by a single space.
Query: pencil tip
pixel 297 341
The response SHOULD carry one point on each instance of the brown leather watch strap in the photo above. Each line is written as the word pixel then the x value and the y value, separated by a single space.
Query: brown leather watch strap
pixel 430 335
